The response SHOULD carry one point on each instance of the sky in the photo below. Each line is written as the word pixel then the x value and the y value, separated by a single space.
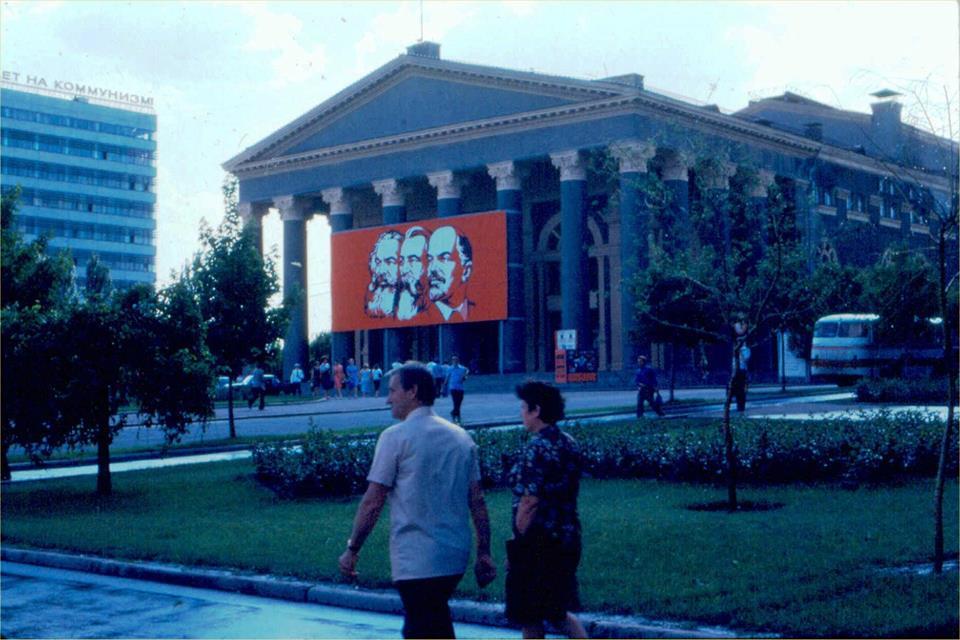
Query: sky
pixel 224 75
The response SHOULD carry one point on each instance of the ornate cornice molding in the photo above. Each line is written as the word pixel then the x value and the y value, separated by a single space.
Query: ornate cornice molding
pixel 571 165
pixel 448 185
pixel 390 191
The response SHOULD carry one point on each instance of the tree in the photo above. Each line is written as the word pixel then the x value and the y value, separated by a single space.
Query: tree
pixel 233 284
pixel 133 345
pixel 320 346
pixel 35 288
pixel 743 265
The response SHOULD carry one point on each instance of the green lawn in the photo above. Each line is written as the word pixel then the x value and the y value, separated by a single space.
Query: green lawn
pixel 807 569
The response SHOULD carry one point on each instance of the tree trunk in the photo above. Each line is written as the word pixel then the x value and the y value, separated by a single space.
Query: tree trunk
pixel 673 369
pixel 5 472
pixel 104 483
pixel 951 401
pixel 728 449
pixel 233 425
pixel 783 365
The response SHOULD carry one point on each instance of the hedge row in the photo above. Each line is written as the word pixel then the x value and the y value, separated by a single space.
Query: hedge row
pixel 884 448
pixel 898 390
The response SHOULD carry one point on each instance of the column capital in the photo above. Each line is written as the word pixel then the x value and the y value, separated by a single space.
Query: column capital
pixel 571 165
pixel 717 173
pixel 761 187
pixel 290 208
pixel 390 191
pixel 506 174
pixel 446 183
pixel 677 165
pixel 251 213
pixel 840 193
pixel 337 198
pixel 632 155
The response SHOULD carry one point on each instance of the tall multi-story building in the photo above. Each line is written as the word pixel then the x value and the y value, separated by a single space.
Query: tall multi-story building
pixel 86 166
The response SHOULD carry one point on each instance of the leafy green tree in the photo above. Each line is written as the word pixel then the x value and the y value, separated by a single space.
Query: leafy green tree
pixel 35 287
pixel 320 346
pixel 135 346
pixel 743 264
pixel 234 283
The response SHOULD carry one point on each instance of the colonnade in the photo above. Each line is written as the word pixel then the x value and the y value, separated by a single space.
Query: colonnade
pixel 633 159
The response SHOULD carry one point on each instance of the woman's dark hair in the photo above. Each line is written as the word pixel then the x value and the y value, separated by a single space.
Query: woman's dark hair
pixel 545 396
pixel 414 373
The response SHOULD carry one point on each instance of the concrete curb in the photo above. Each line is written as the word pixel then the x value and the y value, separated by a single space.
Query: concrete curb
pixel 351 597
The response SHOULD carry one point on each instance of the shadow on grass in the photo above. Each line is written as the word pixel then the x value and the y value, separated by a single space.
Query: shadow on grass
pixel 744 506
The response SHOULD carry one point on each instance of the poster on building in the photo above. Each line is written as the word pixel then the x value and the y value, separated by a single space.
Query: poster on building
pixel 581 365
pixel 435 271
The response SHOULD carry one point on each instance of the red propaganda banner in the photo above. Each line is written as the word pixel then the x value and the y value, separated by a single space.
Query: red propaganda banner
pixel 436 271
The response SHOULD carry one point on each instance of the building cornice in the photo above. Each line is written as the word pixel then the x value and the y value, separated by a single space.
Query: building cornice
pixel 643 103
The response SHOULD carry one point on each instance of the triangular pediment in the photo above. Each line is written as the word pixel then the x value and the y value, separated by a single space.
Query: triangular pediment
pixel 413 94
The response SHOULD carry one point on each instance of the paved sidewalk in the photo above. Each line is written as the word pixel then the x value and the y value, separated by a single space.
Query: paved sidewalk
pixel 337 595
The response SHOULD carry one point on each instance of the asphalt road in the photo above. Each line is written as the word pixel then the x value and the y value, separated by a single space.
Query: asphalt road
pixel 347 413
pixel 40 602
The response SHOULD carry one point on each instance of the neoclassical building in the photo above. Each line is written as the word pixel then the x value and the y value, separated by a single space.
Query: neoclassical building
pixel 423 138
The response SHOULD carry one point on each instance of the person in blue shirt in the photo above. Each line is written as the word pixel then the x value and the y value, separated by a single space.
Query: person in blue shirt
pixel 353 378
pixel 454 383
pixel 646 381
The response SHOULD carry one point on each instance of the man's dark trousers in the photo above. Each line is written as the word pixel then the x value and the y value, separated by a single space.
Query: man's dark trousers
pixel 457 395
pixel 647 394
pixel 426 612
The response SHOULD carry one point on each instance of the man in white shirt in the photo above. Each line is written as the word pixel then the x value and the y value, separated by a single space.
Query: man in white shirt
pixel 428 468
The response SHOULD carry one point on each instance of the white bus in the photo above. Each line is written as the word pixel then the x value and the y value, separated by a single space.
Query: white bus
pixel 845 348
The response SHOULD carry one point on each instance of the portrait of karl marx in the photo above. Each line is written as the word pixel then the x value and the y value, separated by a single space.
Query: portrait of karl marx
pixel 384 263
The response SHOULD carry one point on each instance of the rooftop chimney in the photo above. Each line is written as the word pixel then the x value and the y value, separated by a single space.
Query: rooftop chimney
pixel 885 123
pixel 425 50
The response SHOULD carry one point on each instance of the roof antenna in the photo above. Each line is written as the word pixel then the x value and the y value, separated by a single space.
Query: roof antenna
pixel 421 22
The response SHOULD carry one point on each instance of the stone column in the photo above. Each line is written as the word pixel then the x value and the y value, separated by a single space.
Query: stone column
pixel 251 214
pixel 676 180
pixel 573 252
pixel 396 342
pixel 294 215
pixel 632 157
pixel 716 180
pixel 341 219
pixel 450 338
pixel 512 330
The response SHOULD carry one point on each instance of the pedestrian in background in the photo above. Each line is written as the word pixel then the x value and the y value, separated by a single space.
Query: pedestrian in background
pixel 428 470
pixel 544 553
pixel 648 391
pixel 338 377
pixel 296 379
pixel 257 387
pixel 741 360
pixel 456 376
pixel 366 380
pixel 353 377
pixel 436 368
pixel 377 375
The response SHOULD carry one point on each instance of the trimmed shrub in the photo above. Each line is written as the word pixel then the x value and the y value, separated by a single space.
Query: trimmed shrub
pixel 879 449
pixel 900 390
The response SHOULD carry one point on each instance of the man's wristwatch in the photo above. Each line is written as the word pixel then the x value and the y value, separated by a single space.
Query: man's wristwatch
pixel 353 548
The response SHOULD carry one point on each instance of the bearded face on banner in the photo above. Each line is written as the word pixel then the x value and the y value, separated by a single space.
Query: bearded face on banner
pixel 381 298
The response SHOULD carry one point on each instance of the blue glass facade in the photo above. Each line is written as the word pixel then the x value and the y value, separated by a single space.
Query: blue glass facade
pixel 87 174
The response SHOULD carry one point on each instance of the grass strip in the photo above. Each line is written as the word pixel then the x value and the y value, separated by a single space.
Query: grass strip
pixel 806 569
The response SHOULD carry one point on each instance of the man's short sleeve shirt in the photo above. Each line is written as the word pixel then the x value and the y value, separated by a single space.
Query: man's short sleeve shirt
pixel 429 465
